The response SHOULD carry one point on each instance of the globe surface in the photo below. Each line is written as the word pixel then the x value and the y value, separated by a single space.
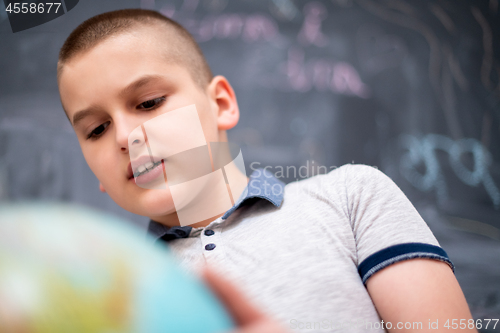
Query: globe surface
pixel 70 269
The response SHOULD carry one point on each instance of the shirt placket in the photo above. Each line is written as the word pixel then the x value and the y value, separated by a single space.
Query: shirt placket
pixel 211 245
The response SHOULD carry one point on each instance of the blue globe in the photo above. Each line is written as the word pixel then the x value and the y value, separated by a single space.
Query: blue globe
pixel 69 269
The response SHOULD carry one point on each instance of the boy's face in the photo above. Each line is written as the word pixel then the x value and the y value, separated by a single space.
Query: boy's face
pixel 118 85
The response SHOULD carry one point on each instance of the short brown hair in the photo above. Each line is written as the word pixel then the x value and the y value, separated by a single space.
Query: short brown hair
pixel 99 28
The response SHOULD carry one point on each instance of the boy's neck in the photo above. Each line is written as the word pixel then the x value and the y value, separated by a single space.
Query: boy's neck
pixel 172 220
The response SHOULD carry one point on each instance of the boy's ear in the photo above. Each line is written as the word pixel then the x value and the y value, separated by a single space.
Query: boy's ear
pixel 223 94
pixel 101 188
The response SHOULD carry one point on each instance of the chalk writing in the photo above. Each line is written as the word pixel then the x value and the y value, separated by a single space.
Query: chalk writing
pixel 250 28
pixel 423 151
pixel 320 74
pixel 311 34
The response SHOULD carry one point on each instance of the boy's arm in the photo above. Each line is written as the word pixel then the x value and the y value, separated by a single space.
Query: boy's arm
pixel 420 291
pixel 407 274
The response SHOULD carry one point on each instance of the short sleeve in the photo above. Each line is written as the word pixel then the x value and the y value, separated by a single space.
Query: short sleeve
pixel 386 226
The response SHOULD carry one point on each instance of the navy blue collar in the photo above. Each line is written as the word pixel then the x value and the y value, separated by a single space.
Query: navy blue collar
pixel 262 185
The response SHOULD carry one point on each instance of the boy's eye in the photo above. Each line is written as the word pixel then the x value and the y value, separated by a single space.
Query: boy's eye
pixel 96 133
pixel 152 103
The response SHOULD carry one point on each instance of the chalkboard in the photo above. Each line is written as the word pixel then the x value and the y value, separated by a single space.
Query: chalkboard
pixel 411 87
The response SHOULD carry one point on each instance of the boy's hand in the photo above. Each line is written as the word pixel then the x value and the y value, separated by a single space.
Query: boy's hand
pixel 246 316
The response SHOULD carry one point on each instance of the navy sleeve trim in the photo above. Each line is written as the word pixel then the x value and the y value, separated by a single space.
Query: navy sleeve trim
pixel 400 252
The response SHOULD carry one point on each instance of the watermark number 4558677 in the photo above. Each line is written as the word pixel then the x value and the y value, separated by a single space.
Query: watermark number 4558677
pixel 31 13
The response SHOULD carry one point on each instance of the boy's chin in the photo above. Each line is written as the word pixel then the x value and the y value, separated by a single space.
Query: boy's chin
pixel 153 203
pixel 192 203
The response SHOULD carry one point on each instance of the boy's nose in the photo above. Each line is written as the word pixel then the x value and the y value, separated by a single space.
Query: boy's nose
pixel 134 144
pixel 135 139
pixel 128 136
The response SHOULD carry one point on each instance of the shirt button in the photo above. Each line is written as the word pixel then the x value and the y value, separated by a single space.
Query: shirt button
pixel 209 232
pixel 210 247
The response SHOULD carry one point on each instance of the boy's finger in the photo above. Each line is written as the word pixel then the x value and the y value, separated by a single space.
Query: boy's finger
pixel 266 326
pixel 242 312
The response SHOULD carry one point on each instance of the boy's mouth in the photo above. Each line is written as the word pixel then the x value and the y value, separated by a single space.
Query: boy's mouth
pixel 146 169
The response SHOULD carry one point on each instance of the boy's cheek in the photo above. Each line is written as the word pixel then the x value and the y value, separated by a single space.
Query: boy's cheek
pixel 104 168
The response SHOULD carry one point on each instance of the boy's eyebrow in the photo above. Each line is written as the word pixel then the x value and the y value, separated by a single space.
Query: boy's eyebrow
pixel 142 81
pixel 80 115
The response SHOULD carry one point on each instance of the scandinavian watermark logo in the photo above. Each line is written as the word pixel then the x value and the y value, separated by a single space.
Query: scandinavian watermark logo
pixel 28 14
pixel 170 153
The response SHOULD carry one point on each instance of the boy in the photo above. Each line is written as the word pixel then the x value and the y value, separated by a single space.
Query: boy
pixel 342 251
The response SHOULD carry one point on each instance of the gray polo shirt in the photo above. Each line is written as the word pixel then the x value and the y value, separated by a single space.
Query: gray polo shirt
pixel 303 252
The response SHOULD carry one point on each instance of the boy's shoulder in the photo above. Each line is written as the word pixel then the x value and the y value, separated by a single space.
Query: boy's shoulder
pixel 357 172
pixel 352 171
pixel 348 177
